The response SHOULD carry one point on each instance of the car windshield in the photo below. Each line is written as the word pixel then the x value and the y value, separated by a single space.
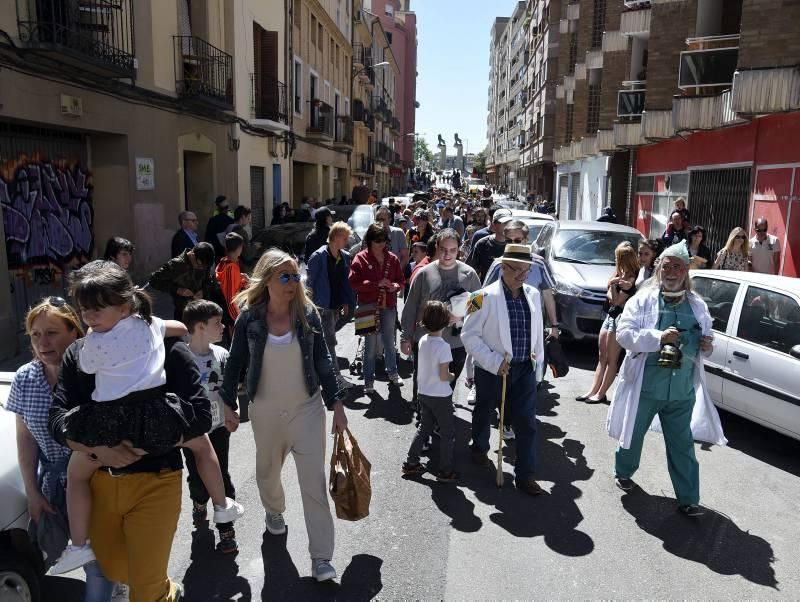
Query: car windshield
pixel 590 246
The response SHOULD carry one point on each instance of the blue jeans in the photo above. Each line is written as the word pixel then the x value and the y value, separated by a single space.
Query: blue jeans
pixel 387 334
pixel 520 413
pixel 98 588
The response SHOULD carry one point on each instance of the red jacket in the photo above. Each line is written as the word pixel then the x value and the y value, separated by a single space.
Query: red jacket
pixel 231 281
pixel 366 272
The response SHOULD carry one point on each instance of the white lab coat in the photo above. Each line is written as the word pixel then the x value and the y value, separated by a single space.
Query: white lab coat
pixel 487 335
pixel 638 333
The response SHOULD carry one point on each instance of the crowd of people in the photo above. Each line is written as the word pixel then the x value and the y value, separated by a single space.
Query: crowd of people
pixel 117 399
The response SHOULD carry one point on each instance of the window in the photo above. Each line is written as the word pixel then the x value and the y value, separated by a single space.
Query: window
pixel 319 35
pixel 770 319
pixel 312 29
pixel 719 295
pixel 297 13
pixel 389 37
pixel 298 87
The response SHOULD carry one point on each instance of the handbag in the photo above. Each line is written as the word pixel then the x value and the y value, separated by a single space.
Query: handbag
pixel 349 482
pixel 368 315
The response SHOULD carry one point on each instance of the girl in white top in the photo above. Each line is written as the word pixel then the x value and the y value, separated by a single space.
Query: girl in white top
pixel 124 350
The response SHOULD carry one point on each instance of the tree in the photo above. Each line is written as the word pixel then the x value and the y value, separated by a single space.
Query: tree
pixel 480 163
pixel 421 151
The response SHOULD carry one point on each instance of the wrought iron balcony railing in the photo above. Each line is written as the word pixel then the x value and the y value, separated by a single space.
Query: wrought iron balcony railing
pixel 268 99
pixel 395 124
pixel 359 114
pixel 321 119
pixel 344 130
pixel 709 63
pixel 203 72
pixel 94 35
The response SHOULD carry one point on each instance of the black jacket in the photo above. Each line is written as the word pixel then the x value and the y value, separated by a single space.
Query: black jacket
pixel 183 379
pixel 217 225
pixel 315 239
pixel 181 242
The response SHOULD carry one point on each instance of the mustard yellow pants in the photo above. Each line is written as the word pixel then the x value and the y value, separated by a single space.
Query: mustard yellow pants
pixel 134 518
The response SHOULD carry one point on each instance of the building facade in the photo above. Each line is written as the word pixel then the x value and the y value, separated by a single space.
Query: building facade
pixel 498 104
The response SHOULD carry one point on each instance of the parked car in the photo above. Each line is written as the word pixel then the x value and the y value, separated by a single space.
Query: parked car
pixel 291 237
pixel 753 370
pixel 534 221
pixel 580 256
pixel 21 567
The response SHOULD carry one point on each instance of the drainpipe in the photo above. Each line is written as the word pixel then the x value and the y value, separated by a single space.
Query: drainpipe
pixel 288 66
pixel 629 190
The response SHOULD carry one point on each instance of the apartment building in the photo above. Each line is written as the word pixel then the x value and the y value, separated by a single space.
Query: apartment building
pixel 498 104
pixel 322 129
pixel 538 96
pixel 399 23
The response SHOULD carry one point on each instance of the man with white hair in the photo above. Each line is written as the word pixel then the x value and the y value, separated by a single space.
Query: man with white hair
pixel 664 328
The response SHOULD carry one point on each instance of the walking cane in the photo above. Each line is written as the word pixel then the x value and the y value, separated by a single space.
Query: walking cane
pixel 500 475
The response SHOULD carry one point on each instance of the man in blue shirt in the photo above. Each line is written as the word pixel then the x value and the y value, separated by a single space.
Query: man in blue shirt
pixel 186 236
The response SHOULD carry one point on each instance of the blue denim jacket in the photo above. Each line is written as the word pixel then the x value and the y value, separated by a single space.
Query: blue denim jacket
pixel 247 350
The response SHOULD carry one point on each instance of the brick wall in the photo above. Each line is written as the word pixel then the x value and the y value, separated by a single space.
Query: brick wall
pixel 581 107
pixel 615 69
pixel 770 33
pixel 670 25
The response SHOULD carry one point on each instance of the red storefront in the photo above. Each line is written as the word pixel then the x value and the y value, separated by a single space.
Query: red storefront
pixel 730 177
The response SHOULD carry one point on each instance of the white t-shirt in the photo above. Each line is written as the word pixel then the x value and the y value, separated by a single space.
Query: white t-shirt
pixel 762 254
pixel 127 358
pixel 432 352
pixel 212 367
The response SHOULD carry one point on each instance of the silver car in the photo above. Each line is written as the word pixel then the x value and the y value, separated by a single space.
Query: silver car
pixel 580 256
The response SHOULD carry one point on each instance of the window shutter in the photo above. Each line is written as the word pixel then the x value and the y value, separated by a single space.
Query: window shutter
pixel 269 72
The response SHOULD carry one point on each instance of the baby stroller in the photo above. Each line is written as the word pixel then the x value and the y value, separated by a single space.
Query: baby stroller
pixel 357 365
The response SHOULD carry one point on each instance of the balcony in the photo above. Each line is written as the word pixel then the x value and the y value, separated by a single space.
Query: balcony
pixel 690 113
pixel 594 59
pixel 657 125
pixel 363 165
pixel 379 108
pixel 636 4
pixel 91 35
pixel 630 102
pixel 395 125
pixel 359 114
pixel 268 101
pixel 321 123
pixel 343 134
pixel 709 64
pixel 203 72
pixel 358 56
pixel 627 135
pixel 573 11
pixel 605 141
pixel 635 23
pixel 770 90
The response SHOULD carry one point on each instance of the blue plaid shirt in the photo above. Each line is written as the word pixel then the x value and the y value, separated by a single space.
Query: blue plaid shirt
pixel 519 321
pixel 30 397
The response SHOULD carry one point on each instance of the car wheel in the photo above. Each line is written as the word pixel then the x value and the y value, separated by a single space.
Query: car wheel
pixel 18 580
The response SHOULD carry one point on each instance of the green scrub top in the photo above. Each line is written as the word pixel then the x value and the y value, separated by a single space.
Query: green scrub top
pixel 666 384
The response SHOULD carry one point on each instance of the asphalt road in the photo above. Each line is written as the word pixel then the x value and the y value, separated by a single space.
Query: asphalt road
pixel 585 539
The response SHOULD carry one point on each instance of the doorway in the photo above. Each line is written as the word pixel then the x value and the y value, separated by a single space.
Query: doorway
pixel 198 181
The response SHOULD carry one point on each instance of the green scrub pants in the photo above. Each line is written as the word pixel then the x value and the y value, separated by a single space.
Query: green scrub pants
pixel 683 468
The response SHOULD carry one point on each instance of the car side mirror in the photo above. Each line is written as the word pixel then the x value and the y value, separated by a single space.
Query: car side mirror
pixel 795 351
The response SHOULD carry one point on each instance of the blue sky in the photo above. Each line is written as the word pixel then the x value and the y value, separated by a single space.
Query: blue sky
pixel 453 67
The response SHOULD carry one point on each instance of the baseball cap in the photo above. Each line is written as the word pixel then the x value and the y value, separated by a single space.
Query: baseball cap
pixel 221 200
pixel 501 216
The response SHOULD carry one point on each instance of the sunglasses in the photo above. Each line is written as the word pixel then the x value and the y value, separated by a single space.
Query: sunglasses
pixel 56 301
pixel 762 230
pixel 285 278
pixel 740 237
pixel 516 241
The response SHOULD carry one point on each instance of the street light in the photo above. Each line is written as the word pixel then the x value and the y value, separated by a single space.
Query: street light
pixel 368 67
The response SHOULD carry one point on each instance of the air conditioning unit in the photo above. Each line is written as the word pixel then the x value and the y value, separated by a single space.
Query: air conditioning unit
pixel 71 106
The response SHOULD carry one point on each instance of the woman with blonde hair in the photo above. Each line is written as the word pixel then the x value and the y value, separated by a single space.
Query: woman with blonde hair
pixel 735 255
pixel 621 287
pixel 279 338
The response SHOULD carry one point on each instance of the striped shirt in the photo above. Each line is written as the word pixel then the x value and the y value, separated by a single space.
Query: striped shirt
pixel 519 321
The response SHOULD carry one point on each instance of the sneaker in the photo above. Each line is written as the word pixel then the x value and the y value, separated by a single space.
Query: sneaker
pixel 691 510
pixel 416 468
pixel 322 570
pixel 232 511
pixel 227 542
pixel 471 396
pixel 199 513
pixel 624 484
pixel 447 477
pixel 120 593
pixel 275 523
pixel 508 433
pixel 396 380
pixel 73 557
pixel 369 387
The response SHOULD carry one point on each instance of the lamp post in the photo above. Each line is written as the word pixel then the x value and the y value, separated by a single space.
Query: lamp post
pixel 368 67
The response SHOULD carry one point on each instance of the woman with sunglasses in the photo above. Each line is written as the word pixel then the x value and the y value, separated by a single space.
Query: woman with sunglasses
pixel 699 253
pixel 52 326
pixel 736 252
pixel 376 277
pixel 278 337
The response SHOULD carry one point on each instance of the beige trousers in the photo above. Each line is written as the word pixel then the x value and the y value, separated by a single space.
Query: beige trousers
pixel 299 428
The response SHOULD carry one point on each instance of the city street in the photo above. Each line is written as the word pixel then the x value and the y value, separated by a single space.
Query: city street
pixel 585 539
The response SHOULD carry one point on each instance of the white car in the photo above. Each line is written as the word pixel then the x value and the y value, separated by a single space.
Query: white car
pixel 534 221
pixel 753 370
pixel 21 566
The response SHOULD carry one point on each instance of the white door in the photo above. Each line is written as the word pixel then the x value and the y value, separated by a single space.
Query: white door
pixel 762 379
pixel 720 296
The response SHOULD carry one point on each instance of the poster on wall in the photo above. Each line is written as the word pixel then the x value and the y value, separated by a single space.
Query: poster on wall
pixel 145 174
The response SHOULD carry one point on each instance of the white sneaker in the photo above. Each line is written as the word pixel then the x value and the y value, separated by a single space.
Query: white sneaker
pixel 275 523
pixel 369 387
pixel 73 557
pixel 232 511
pixel 396 380
pixel 322 570
pixel 471 397
pixel 508 433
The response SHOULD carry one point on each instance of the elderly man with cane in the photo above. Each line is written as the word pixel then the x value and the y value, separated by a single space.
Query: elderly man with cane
pixel 503 331
pixel 665 327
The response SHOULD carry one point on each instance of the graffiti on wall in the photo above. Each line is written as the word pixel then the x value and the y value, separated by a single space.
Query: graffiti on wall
pixel 47 214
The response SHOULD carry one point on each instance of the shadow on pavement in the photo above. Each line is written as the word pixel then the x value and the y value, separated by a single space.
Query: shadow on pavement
pixel 713 540
pixel 361 579
pixel 212 575
pixel 63 589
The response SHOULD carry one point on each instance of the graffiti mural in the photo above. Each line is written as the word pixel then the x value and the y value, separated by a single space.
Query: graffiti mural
pixel 47 214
